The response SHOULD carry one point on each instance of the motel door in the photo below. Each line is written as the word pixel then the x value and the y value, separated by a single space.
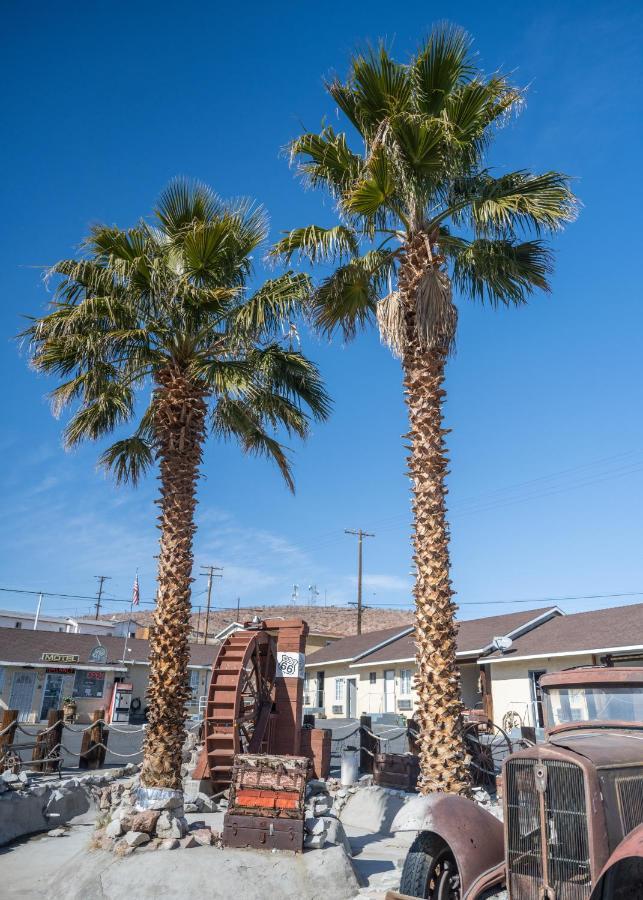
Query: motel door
pixel 22 693
pixel 351 698
pixel 51 693
pixel 389 690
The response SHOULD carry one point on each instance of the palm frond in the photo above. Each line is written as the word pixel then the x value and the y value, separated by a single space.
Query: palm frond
pixel 128 459
pixel 184 202
pixel 347 299
pixel 317 244
pixel 500 271
pixel 325 160
pixel 440 66
pixel 113 406
pixel 232 418
pixel 277 302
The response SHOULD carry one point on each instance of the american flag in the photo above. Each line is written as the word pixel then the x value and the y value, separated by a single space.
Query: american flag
pixel 136 595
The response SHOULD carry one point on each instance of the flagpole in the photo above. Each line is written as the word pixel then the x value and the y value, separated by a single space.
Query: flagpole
pixel 131 610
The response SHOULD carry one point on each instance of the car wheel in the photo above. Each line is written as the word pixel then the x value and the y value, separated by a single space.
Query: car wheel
pixel 430 869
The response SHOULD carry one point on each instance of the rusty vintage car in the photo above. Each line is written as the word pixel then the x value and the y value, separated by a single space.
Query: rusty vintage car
pixel 573 806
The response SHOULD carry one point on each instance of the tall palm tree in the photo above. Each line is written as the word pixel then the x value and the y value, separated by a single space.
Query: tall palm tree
pixel 163 313
pixel 420 218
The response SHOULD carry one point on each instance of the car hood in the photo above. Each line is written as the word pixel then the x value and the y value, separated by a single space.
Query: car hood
pixel 604 748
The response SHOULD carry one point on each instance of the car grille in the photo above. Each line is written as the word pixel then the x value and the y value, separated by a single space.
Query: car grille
pixel 630 801
pixel 562 807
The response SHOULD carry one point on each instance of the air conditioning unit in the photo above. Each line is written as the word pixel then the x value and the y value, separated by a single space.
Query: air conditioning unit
pixel 404 704
pixel 338 710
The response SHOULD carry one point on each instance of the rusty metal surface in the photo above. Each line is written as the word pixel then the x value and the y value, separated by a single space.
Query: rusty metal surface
pixel 596 822
pixel 613 747
pixel 593 675
pixel 492 878
pixel 263 833
pixel 474 835
pixel 631 848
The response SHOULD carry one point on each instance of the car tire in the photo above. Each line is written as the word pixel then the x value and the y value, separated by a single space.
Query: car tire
pixel 430 869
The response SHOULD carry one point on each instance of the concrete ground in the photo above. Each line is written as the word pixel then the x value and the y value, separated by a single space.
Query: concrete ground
pixel 61 867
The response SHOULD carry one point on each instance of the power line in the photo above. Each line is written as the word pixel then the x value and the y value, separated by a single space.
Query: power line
pixel 71 596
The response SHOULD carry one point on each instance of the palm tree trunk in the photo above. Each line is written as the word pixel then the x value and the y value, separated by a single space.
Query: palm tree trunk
pixel 179 421
pixel 439 713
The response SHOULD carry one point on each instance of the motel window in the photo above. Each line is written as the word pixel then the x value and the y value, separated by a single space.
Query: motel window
pixel 194 684
pixel 340 689
pixel 405 681
pixel 89 684
pixel 372 677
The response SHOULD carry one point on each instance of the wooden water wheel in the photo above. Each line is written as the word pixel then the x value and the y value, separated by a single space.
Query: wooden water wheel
pixel 240 700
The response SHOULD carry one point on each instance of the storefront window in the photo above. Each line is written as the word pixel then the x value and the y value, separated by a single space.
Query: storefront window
pixel 89 684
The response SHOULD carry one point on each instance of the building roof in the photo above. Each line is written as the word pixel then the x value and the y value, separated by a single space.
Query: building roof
pixel 329 621
pixel 474 635
pixel 351 648
pixel 19 646
pixel 616 629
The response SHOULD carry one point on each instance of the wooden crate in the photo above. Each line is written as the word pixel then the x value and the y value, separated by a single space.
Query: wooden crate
pixel 396 770
pixel 271 784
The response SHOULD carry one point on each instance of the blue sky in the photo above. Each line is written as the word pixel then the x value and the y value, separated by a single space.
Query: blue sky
pixel 104 103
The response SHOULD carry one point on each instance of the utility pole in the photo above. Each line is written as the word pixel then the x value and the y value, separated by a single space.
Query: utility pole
pixel 360 534
pixel 101 581
pixel 211 572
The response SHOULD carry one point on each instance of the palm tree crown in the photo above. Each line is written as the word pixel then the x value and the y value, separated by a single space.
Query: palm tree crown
pixel 176 293
pixel 418 170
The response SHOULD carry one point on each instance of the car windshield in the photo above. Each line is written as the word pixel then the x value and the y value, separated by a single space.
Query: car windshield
pixel 604 703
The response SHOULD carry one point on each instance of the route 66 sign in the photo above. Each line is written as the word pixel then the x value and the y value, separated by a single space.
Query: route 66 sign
pixel 290 665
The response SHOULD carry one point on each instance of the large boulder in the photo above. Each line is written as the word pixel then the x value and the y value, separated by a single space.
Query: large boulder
pixel 372 809
pixel 216 874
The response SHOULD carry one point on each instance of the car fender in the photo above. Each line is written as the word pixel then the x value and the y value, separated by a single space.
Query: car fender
pixel 473 834
pixel 622 875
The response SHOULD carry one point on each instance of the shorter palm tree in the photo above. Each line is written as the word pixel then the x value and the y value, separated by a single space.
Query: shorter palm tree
pixel 163 312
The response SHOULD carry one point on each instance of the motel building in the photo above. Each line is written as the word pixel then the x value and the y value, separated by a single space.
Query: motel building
pixel 374 673
pixel 39 669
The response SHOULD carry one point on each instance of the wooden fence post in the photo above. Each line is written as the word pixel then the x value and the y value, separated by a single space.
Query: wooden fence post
pixel 53 739
pixel 92 756
pixel 368 745
pixel 9 720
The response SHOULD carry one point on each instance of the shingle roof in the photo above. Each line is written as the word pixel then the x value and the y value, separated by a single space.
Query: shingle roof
pixel 355 646
pixel 21 645
pixel 473 635
pixel 334 621
pixel 598 630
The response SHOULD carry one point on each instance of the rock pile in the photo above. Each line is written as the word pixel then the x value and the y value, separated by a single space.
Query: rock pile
pixel 127 823
pixel 324 802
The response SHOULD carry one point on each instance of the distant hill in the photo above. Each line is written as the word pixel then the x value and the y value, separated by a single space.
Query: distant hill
pixel 335 621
